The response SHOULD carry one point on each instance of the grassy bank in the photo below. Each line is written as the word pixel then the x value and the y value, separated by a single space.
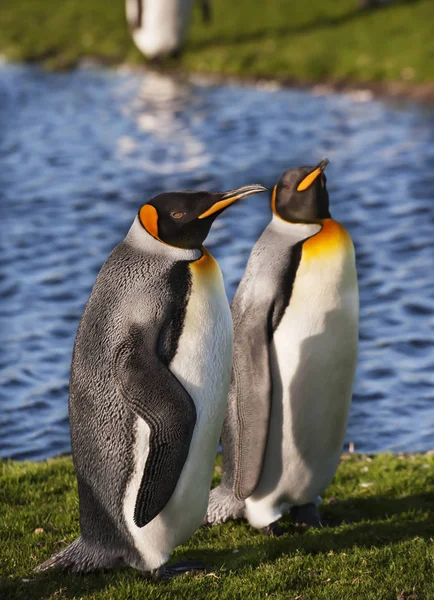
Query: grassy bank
pixel 385 552
pixel 304 41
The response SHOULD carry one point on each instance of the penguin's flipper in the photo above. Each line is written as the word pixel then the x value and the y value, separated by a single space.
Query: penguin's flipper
pixel 249 400
pixel 153 393
pixel 257 310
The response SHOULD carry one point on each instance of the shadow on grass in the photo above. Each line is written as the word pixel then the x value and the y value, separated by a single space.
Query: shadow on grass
pixel 377 508
pixel 361 528
pixel 64 585
pixel 323 22
pixel 362 536
pixel 405 520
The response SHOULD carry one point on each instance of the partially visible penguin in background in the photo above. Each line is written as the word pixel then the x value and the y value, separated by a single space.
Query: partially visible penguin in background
pixel 149 380
pixel 159 27
pixel 295 319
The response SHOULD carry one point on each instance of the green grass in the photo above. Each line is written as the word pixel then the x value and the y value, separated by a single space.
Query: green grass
pixel 386 548
pixel 303 41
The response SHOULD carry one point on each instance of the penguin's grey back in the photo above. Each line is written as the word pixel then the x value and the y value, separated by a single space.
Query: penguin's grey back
pixel 128 282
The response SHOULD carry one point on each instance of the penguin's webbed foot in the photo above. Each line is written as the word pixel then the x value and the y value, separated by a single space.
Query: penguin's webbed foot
pixel 273 530
pixel 306 515
pixel 182 567
pixel 159 61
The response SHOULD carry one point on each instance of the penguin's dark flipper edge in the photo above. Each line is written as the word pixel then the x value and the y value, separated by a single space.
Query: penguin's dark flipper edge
pixel 167 408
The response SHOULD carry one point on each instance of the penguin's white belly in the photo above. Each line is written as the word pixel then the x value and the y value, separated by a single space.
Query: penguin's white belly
pixel 164 24
pixel 313 360
pixel 203 365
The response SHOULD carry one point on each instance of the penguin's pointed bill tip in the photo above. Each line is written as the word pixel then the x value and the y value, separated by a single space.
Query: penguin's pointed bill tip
pixel 228 198
pixel 309 179
pixel 323 163
pixel 245 190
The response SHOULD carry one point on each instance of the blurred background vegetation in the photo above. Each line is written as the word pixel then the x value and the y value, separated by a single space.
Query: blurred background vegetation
pixel 319 40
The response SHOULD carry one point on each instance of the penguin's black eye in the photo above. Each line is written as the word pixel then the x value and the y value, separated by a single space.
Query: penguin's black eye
pixel 177 215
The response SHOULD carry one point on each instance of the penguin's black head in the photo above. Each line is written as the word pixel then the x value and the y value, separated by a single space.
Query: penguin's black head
pixel 183 219
pixel 301 195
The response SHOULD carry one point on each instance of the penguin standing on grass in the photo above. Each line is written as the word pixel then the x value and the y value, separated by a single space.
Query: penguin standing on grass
pixel 159 27
pixel 295 319
pixel 149 381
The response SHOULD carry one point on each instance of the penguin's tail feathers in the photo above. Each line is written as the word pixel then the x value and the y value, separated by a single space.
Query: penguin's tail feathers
pixel 78 557
pixel 223 506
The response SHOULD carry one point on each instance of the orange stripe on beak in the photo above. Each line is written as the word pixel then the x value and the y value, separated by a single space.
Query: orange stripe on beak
pixel 218 206
pixel 307 181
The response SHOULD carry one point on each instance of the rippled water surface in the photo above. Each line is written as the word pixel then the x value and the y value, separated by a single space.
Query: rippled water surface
pixel 78 154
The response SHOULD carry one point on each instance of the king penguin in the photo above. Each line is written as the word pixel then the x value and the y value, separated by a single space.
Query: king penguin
pixel 159 27
pixel 295 317
pixel 149 380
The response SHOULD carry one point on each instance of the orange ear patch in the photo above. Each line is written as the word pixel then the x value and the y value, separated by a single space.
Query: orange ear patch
pixel 307 181
pixel 149 219
pixel 273 200
pixel 332 238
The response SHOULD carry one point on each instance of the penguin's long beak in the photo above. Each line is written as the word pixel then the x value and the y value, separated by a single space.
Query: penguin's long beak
pixel 232 196
pixel 309 179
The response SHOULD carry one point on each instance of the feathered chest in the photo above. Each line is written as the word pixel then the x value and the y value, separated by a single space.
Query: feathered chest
pixel 204 354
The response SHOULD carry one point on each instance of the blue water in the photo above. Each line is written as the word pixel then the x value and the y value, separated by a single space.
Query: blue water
pixel 80 152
